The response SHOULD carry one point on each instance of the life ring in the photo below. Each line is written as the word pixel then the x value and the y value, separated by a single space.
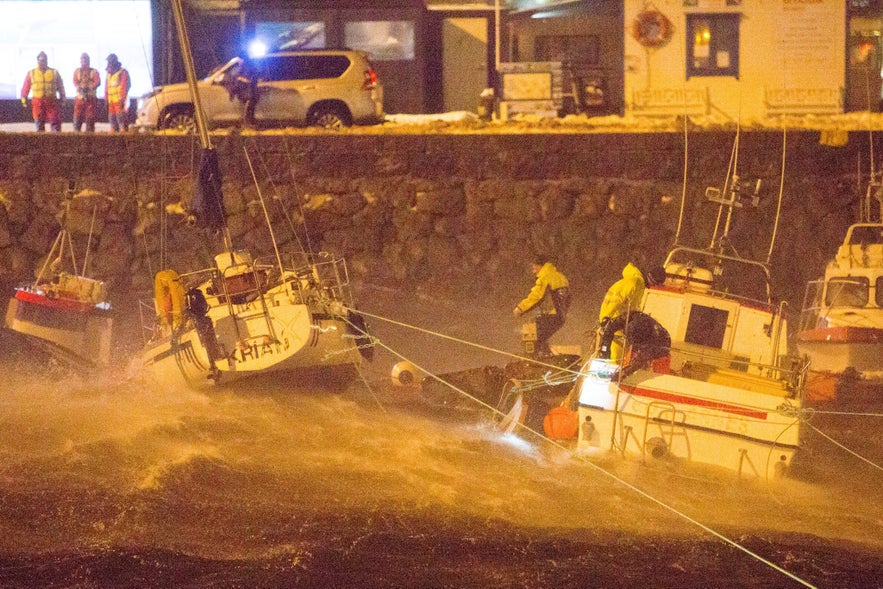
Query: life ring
pixel 651 29
pixel 168 298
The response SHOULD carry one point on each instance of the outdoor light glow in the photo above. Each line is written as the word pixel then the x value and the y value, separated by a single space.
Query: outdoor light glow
pixel 257 48
pixel 66 28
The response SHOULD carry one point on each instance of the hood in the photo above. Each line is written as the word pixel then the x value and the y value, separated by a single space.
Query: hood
pixel 632 271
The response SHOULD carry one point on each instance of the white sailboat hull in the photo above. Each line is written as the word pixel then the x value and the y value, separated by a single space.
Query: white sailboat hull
pixel 278 335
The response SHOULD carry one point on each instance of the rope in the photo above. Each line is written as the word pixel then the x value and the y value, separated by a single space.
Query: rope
pixel 842 447
pixel 466 342
pixel 578 457
pixel 257 187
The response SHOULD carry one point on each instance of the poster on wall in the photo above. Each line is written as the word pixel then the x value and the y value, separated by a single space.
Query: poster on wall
pixel 807 42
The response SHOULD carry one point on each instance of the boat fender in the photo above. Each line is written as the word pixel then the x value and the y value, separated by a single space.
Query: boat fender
pixel 404 374
pixel 657 448
pixel 358 327
pixel 561 423
pixel 168 298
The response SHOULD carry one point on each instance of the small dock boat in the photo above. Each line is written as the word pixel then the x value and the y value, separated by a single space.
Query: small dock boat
pixel 729 392
pixel 63 310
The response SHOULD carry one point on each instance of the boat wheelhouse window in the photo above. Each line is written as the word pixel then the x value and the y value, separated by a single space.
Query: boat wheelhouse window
pixel 849 291
pixel 867 235
pixel 706 326
pixel 878 291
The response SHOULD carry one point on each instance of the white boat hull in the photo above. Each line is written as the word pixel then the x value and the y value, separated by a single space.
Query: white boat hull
pixel 288 338
pixel 837 357
pixel 725 423
pixel 79 335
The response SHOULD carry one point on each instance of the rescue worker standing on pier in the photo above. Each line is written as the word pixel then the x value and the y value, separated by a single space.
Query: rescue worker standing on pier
pixel 551 297
pixel 47 93
pixel 86 80
pixel 116 92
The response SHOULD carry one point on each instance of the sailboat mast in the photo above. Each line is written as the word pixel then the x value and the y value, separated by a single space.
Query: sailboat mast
pixel 190 70
pixel 211 168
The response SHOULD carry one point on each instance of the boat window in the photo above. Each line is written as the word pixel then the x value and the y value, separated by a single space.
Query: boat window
pixel 878 291
pixel 866 235
pixel 706 326
pixel 849 291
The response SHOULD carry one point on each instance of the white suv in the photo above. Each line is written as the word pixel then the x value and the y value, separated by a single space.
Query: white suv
pixel 321 87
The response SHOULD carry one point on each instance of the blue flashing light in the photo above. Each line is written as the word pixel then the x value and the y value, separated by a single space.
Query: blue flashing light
pixel 257 48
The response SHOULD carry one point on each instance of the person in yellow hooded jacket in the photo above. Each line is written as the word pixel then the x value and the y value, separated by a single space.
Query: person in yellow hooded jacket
pixel 550 295
pixel 624 296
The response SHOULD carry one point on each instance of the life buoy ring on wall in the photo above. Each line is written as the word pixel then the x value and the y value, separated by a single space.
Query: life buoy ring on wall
pixel 651 29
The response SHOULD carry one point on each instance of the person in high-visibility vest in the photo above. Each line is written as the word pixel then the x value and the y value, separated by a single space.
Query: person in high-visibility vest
pixel 86 80
pixel 44 85
pixel 116 92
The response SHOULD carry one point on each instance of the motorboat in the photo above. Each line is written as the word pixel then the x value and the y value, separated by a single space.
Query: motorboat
pixel 841 326
pixel 65 311
pixel 730 391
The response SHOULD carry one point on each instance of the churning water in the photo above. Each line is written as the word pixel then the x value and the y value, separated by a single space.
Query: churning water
pixel 113 482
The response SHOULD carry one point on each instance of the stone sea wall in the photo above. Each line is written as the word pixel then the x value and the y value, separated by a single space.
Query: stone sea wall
pixel 462 210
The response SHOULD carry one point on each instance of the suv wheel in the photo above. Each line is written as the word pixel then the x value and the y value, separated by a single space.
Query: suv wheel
pixel 329 116
pixel 179 119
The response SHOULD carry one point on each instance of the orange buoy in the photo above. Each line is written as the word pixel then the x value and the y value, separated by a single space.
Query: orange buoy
pixel 561 423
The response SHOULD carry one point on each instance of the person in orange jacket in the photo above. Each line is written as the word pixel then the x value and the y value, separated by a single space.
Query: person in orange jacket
pixel 116 92
pixel 44 85
pixel 86 80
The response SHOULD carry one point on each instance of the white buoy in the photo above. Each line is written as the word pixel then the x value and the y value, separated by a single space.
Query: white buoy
pixel 405 374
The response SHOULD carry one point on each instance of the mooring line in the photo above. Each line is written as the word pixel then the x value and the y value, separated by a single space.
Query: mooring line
pixel 841 446
pixel 466 342
pixel 573 454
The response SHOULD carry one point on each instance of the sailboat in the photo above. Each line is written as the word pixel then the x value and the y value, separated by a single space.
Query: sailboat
pixel 841 323
pixel 64 310
pixel 730 392
pixel 243 316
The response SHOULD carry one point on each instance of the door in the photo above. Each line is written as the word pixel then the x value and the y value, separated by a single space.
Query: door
pixel 863 90
pixel 465 62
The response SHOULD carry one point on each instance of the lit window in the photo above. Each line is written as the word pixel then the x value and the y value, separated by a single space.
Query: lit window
pixel 291 35
pixel 713 45
pixel 385 40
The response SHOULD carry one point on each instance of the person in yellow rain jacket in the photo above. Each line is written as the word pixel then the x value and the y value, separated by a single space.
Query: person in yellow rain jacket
pixel 624 296
pixel 46 88
pixel 550 295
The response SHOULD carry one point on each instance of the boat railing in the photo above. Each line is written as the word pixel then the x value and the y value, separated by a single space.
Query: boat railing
pixel 324 275
pixel 713 261
pixel 787 374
